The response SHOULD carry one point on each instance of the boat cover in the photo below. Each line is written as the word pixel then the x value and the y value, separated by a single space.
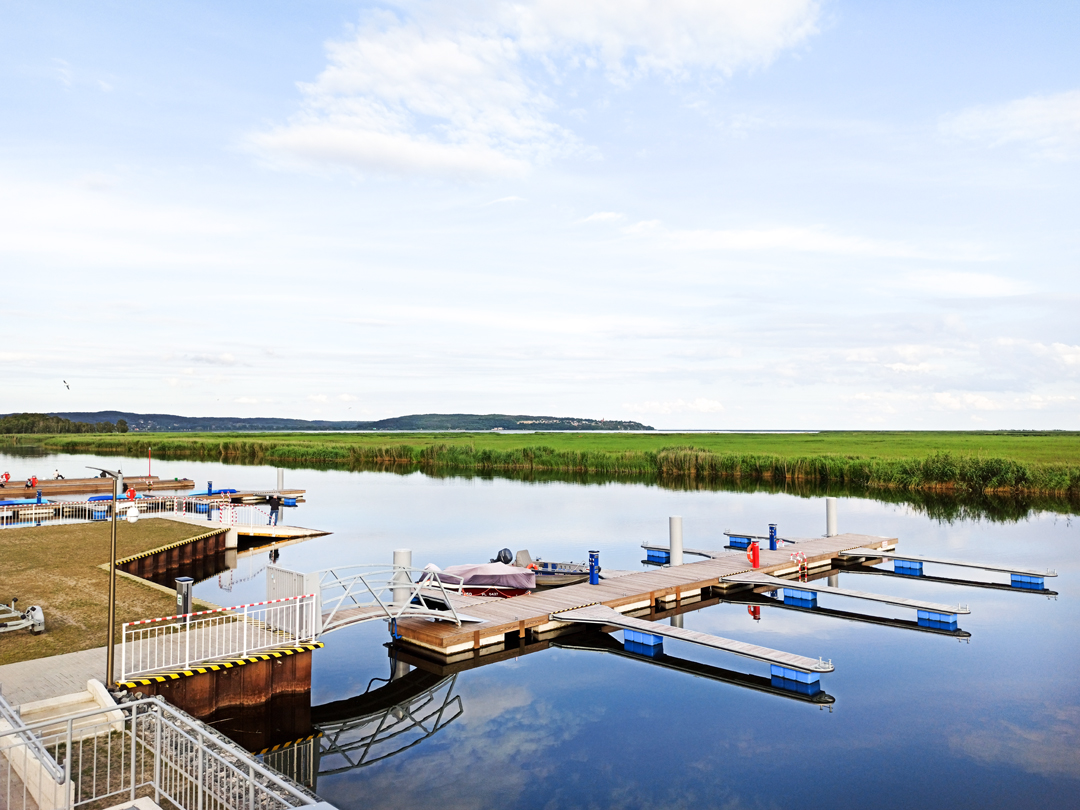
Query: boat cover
pixel 506 576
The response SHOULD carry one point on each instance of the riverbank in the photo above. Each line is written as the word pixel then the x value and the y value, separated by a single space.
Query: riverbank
pixel 60 569
pixel 989 462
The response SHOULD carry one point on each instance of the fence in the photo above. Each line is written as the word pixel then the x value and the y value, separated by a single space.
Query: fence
pixel 146 748
pixel 177 642
pixel 221 512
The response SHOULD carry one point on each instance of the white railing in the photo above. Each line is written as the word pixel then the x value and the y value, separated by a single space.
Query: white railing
pixel 364 592
pixel 179 642
pixel 145 748
pixel 215 512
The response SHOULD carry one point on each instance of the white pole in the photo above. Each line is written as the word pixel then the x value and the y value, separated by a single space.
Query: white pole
pixel 402 562
pixel 675 539
pixel 280 479
pixel 830 517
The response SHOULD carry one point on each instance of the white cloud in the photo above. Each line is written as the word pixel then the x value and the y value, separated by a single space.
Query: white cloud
pixel 246 401
pixel 910 367
pixel 961 285
pixel 317 397
pixel 634 37
pixel 346 398
pixel 602 216
pixel 1049 124
pixel 981 402
pixel 795 239
pixel 462 96
pixel 699 405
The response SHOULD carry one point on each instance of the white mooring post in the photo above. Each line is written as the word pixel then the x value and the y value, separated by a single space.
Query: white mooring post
pixel 402 564
pixel 280 479
pixel 675 539
pixel 830 531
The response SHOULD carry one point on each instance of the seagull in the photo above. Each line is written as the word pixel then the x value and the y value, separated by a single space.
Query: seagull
pixel 68 386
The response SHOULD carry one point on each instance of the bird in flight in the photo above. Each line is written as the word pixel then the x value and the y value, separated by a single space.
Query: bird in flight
pixel 68 386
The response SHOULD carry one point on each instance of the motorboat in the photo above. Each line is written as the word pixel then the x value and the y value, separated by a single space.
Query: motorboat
pixel 487 579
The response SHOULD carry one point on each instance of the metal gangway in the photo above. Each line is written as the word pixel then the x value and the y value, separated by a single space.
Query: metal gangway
pixel 362 593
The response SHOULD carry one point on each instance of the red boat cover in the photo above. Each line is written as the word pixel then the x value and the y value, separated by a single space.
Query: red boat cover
pixel 506 576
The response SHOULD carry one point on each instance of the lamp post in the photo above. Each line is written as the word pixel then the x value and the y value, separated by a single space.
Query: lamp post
pixel 117 477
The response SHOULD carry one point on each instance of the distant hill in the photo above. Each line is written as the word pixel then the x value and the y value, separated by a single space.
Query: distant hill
pixel 164 422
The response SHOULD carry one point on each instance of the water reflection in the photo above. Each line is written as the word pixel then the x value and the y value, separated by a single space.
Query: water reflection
pixel 941 505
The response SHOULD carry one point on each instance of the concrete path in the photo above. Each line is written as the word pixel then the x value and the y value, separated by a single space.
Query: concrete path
pixel 42 678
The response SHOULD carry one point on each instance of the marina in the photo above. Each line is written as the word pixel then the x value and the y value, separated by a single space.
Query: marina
pixel 298 700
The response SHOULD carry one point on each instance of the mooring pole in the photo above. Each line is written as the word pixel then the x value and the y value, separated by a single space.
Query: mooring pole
pixel 402 580
pixel 675 540
pixel 280 478
pixel 830 517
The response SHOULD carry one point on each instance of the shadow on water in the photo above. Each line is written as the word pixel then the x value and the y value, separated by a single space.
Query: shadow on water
pixel 943 506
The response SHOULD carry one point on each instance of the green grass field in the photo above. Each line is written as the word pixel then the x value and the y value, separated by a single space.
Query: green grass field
pixel 971 461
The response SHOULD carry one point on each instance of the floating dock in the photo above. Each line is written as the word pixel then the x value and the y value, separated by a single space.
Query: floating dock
pixel 535 614
pixel 80 486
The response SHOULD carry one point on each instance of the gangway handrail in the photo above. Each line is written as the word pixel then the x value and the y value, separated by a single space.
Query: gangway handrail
pixel 403 585
pixel 892 555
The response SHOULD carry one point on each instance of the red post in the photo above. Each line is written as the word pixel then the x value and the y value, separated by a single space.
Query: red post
pixel 755 559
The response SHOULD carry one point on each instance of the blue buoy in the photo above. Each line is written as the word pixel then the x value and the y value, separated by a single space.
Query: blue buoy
pixel 939 621
pixel 1027 582
pixel 800 598
pixel 641 643
pixel 806 683
pixel 909 568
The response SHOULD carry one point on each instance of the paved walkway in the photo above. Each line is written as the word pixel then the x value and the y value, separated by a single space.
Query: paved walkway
pixel 51 677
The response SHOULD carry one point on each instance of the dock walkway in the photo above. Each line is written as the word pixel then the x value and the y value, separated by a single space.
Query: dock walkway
pixel 498 617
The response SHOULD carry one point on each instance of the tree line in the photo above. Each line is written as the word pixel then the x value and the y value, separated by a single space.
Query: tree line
pixel 43 423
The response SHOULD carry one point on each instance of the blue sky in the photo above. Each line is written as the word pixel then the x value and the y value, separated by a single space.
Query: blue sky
pixel 771 214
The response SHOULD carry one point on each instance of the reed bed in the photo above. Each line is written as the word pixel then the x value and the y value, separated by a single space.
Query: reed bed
pixel 610 455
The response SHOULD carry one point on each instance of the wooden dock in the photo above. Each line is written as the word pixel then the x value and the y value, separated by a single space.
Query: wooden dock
pixel 532 614
pixel 92 486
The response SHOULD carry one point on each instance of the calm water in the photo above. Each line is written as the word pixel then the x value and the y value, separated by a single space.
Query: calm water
pixel 919 721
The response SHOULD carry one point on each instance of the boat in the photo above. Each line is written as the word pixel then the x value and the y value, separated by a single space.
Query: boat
pixel 548 574
pixel 487 579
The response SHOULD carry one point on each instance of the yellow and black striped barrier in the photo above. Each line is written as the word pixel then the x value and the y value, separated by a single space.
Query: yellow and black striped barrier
pixel 217 666
pixel 171 546
pixel 290 744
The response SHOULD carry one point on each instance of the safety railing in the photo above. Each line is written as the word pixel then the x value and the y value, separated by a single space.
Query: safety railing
pixel 220 512
pixel 179 642
pixel 359 593
pixel 146 748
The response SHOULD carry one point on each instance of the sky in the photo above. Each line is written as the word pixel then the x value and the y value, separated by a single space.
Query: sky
pixel 736 214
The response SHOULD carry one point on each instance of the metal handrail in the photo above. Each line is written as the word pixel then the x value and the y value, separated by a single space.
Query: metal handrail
pixel 26 734
pixel 211 763
pixel 375 581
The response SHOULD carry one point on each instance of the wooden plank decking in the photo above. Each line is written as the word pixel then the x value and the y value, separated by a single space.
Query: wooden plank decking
pixel 624 594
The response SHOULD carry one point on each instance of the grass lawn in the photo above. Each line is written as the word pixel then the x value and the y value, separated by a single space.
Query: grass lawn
pixel 56 567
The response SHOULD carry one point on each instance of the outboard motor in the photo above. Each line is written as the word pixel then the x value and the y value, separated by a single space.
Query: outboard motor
pixel 36 616
pixel 504 556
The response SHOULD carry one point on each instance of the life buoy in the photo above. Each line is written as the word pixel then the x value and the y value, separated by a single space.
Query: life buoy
pixel 750 553
pixel 533 567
